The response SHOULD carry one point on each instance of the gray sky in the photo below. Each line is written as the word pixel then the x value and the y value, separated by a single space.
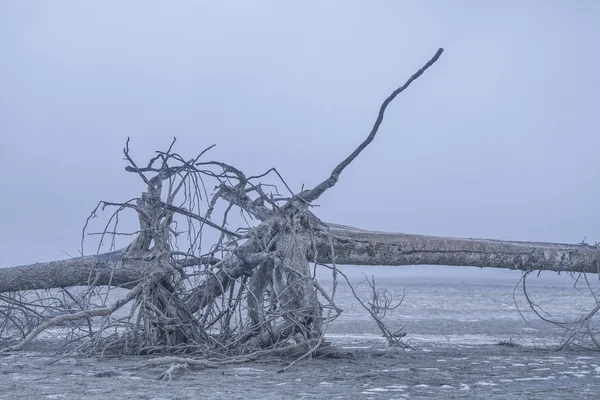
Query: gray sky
pixel 499 139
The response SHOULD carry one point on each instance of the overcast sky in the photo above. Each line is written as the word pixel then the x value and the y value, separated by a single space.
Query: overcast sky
pixel 499 139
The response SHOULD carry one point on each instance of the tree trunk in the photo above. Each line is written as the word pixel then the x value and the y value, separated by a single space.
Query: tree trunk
pixel 352 246
pixel 104 269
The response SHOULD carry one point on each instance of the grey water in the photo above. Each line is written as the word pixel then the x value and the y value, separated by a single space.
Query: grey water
pixel 460 305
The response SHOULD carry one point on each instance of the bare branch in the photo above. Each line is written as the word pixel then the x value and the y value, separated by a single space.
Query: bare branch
pixel 199 218
pixel 314 194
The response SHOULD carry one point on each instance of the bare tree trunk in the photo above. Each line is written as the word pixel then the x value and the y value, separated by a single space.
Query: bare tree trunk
pixel 355 246
pixel 101 270
pixel 352 246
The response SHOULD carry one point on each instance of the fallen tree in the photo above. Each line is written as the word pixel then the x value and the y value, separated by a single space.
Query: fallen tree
pixel 251 290
pixel 351 246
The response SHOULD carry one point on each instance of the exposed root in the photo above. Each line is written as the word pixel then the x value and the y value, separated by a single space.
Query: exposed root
pixel 577 332
pixel 248 292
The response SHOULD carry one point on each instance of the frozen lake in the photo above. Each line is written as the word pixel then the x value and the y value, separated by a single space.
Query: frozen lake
pixel 454 319
pixel 461 305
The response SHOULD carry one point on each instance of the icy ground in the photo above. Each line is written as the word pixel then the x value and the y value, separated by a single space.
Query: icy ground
pixel 454 317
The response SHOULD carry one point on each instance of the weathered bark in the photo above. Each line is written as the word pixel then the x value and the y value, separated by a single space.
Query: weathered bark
pixel 241 262
pixel 355 246
pixel 101 270
pixel 352 246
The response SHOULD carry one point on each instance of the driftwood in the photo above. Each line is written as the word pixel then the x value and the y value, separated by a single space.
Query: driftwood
pixel 252 290
pixel 359 247
pixel 352 246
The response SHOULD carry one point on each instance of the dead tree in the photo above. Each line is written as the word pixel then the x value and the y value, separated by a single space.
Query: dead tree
pixel 252 289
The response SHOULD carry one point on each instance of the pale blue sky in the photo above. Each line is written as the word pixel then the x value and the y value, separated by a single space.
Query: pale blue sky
pixel 499 139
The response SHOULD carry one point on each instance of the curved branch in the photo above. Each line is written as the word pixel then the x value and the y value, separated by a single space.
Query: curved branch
pixel 315 193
